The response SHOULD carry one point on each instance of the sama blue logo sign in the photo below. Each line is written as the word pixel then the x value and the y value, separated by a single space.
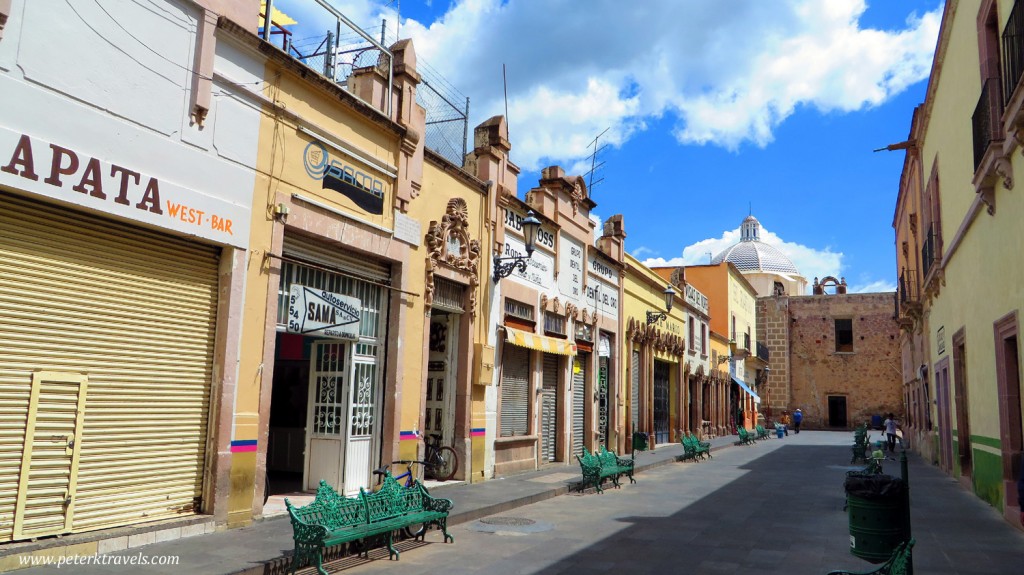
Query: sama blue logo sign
pixel 366 191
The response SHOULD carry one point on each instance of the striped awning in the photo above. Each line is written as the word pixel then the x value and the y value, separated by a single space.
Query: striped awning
pixel 539 342
pixel 747 389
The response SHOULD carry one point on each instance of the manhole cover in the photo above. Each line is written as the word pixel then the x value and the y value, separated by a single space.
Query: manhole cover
pixel 508 521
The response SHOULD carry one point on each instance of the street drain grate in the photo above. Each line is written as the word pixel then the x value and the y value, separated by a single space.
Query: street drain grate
pixel 508 521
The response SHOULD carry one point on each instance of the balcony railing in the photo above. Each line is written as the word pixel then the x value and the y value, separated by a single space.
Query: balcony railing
pixel 930 251
pixel 908 287
pixel 762 352
pixel 1013 51
pixel 987 120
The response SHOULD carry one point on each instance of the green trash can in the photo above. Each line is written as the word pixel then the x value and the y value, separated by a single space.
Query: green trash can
pixel 877 513
pixel 639 441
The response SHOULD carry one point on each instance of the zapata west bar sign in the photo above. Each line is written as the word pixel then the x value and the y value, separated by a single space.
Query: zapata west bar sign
pixel 343 176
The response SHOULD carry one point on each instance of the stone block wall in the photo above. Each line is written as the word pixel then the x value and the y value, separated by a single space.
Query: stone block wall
pixel 773 331
pixel 869 378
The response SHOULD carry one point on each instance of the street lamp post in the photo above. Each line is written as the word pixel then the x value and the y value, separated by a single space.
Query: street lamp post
pixel 503 267
pixel 656 316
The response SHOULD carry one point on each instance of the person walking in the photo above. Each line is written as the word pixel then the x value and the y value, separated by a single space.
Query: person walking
pixel 890 432
pixel 798 417
pixel 786 422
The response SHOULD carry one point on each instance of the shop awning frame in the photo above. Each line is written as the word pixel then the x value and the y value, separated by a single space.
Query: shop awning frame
pixel 747 389
pixel 543 343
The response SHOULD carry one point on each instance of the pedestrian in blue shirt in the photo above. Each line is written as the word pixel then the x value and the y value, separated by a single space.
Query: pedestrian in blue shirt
pixel 798 417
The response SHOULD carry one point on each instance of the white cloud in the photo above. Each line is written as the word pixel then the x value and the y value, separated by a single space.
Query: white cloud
pixel 640 251
pixel 727 73
pixel 811 262
pixel 873 287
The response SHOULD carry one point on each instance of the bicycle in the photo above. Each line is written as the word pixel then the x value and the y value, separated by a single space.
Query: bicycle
pixel 440 461
pixel 417 529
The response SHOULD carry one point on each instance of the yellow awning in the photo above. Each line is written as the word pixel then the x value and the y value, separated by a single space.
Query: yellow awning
pixel 277 17
pixel 539 342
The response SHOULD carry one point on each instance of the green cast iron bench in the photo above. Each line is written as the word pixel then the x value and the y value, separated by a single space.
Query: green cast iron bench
pixel 898 563
pixel 332 519
pixel 596 467
pixel 762 433
pixel 745 437
pixel 693 447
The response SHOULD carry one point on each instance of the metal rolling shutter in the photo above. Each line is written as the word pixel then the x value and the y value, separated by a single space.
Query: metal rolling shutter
pixel 515 385
pixel 634 392
pixel 549 406
pixel 340 257
pixel 134 311
pixel 578 402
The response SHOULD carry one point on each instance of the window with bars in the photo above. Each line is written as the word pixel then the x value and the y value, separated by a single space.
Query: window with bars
pixel 519 310
pixel 554 324
pixel 704 340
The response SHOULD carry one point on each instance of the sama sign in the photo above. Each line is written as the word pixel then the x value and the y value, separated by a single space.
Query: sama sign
pixel 317 312
pixel 345 177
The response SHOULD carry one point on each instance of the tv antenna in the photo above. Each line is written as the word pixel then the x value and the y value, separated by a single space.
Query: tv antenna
pixel 594 166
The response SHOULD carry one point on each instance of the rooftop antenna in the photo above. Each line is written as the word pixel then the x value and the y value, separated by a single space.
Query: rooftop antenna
pixel 504 83
pixel 594 166
pixel 710 257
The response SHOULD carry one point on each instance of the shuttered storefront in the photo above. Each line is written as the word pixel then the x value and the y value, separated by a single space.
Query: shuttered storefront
pixel 515 379
pixel 579 399
pixel 549 408
pixel 105 375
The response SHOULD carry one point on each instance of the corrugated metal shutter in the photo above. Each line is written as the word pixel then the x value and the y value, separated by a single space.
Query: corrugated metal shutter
pixel 549 407
pixel 515 387
pixel 579 377
pixel 339 257
pixel 135 311
pixel 634 392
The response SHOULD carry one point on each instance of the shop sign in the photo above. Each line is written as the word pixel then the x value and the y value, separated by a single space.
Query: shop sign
pixel 602 298
pixel 514 223
pixel 696 299
pixel 598 267
pixel 318 312
pixel 940 340
pixel 570 269
pixel 539 268
pixel 345 176
pixel 70 175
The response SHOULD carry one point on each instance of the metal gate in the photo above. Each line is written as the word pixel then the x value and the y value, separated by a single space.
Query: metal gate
pixel 515 378
pixel 579 378
pixel 661 401
pixel 602 401
pixel 549 408
pixel 132 310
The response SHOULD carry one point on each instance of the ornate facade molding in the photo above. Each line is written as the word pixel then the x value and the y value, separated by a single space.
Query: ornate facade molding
pixel 638 331
pixel 449 243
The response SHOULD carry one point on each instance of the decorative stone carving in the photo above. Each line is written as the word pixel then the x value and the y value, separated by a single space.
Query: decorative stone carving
pixel 544 302
pixel 556 306
pixel 448 243
pixel 571 311
pixel 577 195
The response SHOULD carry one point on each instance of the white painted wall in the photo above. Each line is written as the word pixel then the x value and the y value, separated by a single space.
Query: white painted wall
pixel 114 86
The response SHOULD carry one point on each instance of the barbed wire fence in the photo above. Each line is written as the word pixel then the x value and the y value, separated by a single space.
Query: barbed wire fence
pixel 336 54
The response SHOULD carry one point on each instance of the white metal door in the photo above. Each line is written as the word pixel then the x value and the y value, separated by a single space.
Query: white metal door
pixel 328 413
pixel 439 413
pixel 362 421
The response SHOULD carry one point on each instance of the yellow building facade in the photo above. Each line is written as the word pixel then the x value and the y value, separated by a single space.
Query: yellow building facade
pixel 365 291
pixel 654 369
pixel 960 283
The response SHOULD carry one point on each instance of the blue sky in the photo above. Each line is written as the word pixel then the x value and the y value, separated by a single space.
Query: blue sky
pixel 713 107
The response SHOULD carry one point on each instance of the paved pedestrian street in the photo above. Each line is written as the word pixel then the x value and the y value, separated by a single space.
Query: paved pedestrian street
pixel 775 507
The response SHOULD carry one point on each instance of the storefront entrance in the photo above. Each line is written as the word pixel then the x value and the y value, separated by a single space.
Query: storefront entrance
pixel 549 425
pixel 439 414
pixel 661 401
